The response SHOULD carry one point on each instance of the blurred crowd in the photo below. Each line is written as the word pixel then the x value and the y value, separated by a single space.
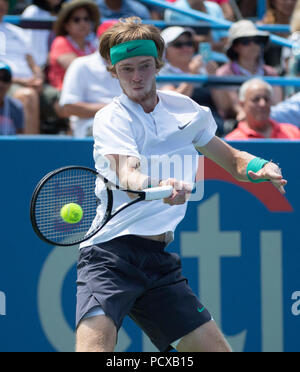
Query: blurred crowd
pixel 53 81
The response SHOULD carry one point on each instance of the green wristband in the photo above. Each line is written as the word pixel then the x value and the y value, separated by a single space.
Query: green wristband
pixel 255 165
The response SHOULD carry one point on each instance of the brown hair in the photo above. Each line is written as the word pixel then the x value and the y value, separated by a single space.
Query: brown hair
pixel 128 29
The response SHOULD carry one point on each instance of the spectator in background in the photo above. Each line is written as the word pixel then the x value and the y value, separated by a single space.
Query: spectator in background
pixel 256 98
pixel 40 40
pixel 278 12
pixel 287 111
pixel 226 7
pixel 75 22
pixel 11 110
pixel 122 9
pixel 87 88
pixel 27 75
pixel 180 58
pixel 245 51
pixel 248 8
pixel 291 56
pixel 216 38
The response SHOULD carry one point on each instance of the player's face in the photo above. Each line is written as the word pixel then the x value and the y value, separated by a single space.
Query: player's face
pixel 257 103
pixel 137 79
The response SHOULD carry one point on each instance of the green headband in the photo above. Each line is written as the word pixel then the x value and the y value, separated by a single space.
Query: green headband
pixel 131 49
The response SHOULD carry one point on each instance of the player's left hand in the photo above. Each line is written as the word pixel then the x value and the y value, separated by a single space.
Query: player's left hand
pixel 271 172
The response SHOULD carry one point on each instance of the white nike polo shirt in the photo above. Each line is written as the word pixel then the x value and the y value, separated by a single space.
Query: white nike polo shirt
pixel 164 140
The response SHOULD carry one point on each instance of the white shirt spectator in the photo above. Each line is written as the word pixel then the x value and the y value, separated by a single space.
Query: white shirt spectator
pixel 38 39
pixel 17 48
pixel 87 80
pixel 287 111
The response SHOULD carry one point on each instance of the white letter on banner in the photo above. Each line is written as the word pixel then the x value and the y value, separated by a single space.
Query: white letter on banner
pixel 296 305
pixel 271 291
pixel 2 304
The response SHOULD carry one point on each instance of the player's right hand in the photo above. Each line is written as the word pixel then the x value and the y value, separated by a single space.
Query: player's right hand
pixel 181 193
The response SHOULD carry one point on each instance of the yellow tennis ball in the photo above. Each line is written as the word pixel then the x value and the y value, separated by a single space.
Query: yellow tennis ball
pixel 71 213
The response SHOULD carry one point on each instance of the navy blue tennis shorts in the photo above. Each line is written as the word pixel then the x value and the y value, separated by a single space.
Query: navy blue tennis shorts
pixel 133 276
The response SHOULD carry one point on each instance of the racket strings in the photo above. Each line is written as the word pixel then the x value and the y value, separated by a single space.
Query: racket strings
pixel 69 186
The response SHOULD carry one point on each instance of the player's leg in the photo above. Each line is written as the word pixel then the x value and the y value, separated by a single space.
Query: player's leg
pixel 206 338
pixel 107 287
pixel 96 334
pixel 172 315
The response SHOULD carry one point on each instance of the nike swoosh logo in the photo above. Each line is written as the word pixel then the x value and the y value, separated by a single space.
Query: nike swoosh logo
pixel 129 50
pixel 181 127
pixel 200 310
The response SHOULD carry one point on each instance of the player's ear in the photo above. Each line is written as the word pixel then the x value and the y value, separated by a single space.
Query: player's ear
pixel 114 73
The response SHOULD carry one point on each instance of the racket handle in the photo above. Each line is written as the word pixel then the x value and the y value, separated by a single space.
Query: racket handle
pixel 156 193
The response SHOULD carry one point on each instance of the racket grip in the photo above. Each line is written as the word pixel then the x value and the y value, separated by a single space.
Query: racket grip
pixel 156 193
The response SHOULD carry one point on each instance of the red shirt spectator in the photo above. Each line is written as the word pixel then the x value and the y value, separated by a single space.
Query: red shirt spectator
pixel 279 130
pixel 75 22
pixel 60 46
pixel 255 99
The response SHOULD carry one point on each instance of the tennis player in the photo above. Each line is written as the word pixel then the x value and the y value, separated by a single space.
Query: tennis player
pixel 125 269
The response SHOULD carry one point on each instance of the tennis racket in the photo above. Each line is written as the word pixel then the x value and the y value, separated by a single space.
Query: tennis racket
pixel 75 184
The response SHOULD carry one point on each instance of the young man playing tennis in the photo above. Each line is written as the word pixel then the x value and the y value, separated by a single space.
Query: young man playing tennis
pixel 124 269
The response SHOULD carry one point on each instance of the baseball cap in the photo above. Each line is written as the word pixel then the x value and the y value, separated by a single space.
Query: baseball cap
pixel 105 26
pixel 170 34
pixel 7 71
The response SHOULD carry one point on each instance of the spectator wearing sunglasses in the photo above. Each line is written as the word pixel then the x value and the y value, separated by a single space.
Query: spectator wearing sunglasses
pixel 245 50
pixel 181 58
pixel 75 22
pixel 11 110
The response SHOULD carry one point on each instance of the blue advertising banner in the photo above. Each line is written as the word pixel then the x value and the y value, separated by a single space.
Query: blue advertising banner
pixel 240 251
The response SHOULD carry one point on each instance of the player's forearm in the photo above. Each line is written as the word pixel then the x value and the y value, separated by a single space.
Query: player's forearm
pixel 232 160
pixel 128 170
